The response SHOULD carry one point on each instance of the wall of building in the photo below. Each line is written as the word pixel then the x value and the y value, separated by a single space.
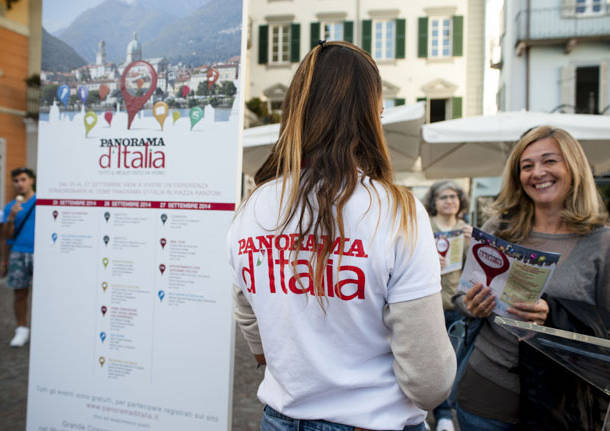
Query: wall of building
pixel 14 71
pixel 405 77
pixel 546 81
pixel 546 77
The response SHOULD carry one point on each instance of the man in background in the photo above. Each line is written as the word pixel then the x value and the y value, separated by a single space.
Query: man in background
pixel 17 259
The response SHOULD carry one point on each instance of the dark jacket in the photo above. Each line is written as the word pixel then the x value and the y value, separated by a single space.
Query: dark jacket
pixel 552 397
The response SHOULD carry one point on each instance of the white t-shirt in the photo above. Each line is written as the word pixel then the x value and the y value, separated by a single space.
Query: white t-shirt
pixel 333 364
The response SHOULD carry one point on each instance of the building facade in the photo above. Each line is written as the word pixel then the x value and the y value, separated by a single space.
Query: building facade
pixel 555 56
pixel 426 50
pixel 20 33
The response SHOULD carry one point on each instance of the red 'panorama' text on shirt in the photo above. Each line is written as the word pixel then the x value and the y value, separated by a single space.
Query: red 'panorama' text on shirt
pixel 281 245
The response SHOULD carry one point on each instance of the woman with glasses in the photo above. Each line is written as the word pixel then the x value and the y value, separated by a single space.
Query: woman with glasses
pixel 445 201
pixel 337 278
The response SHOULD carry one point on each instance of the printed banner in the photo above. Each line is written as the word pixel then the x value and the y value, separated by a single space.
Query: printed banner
pixel 514 273
pixel 137 178
pixel 450 245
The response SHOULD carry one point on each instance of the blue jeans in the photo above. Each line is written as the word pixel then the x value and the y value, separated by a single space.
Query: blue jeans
pixel 275 421
pixel 471 422
pixel 444 410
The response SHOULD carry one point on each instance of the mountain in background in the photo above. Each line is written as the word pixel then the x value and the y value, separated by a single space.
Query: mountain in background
pixel 113 21
pixel 57 56
pixel 179 8
pixel 209 32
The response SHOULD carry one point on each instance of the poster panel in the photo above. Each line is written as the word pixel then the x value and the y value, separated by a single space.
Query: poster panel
pixel 137 176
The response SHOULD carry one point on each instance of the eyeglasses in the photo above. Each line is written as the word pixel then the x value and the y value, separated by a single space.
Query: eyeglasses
pixel 447 197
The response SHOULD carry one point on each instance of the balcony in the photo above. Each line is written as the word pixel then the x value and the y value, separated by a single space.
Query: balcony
pixel 561 26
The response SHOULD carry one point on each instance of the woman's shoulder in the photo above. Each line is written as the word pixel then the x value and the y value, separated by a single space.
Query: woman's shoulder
pixel 601 234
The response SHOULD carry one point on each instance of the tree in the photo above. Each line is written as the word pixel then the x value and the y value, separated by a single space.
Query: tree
pixel 228 88
pixel 202 89
pixel 48 94
pixel 257 106
pixel 93 98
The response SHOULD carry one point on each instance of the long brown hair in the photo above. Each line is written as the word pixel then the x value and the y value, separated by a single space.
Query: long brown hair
pixel 583 208
pixel 330 130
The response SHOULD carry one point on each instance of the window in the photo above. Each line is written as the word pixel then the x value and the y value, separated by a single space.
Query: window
pixel 280 43
pixel 384 38
pixel 440 37
pixel 332 31
pixel 589 7
pixel 587 90
pixel 438 110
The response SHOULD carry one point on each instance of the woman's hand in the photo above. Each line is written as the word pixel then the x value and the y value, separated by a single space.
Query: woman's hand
pixel 536 313
pixel 443 261
pixel 479 301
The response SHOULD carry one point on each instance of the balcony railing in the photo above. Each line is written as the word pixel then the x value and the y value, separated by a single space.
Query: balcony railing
pixel 561 24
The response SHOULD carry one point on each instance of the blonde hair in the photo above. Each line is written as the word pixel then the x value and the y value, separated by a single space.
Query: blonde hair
pixel 330 130
pixel 583 207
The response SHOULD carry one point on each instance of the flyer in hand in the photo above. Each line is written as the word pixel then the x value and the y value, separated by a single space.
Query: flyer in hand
pixel 514 273
pixel 450 245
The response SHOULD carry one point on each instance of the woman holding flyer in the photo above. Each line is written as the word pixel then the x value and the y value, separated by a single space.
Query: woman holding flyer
pixel 335 267
pixel 548 202
pixel 444 201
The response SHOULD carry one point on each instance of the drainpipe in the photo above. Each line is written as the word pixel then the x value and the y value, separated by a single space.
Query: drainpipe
pixel 527 58
pixel 357 40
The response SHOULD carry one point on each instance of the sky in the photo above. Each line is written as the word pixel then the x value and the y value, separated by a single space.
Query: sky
pixel 57 14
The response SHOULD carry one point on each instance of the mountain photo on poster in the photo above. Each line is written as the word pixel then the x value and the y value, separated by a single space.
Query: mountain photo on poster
pixel 166 30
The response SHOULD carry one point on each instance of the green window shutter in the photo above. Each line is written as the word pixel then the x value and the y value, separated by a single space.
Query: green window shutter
pixel 422 99
pixel 295 43
pixel 456 107
pixel 458 35
pixel 315 33
pixel 348 31
pixel 263 43
pixel 422 37
pixel 367 28
pixel 401 25
pixel 399 102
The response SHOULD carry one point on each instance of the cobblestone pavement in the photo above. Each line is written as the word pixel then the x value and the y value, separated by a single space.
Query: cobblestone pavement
pixel 247 410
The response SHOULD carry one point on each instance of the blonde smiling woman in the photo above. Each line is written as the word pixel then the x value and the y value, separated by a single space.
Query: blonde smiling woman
pixel 548 202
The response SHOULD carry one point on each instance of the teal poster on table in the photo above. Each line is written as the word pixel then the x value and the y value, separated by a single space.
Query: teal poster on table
pixel 137 184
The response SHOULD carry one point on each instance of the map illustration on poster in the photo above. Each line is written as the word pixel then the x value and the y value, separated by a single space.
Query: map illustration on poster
pixel 137 177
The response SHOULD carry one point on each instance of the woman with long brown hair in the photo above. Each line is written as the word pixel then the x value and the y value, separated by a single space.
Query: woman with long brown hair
pixel 548 201
pixel 337 277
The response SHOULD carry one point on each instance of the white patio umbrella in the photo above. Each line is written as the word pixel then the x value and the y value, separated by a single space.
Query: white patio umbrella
pixel 401 126
pixel 479 146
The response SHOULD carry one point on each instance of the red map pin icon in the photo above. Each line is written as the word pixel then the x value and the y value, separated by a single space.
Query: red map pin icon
pixel 162 268
pixel 442 245
pixel 492 260
pixel 163 241
pixel 134 103
pixel 108 117
pixel 212 76
pixel 104 309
